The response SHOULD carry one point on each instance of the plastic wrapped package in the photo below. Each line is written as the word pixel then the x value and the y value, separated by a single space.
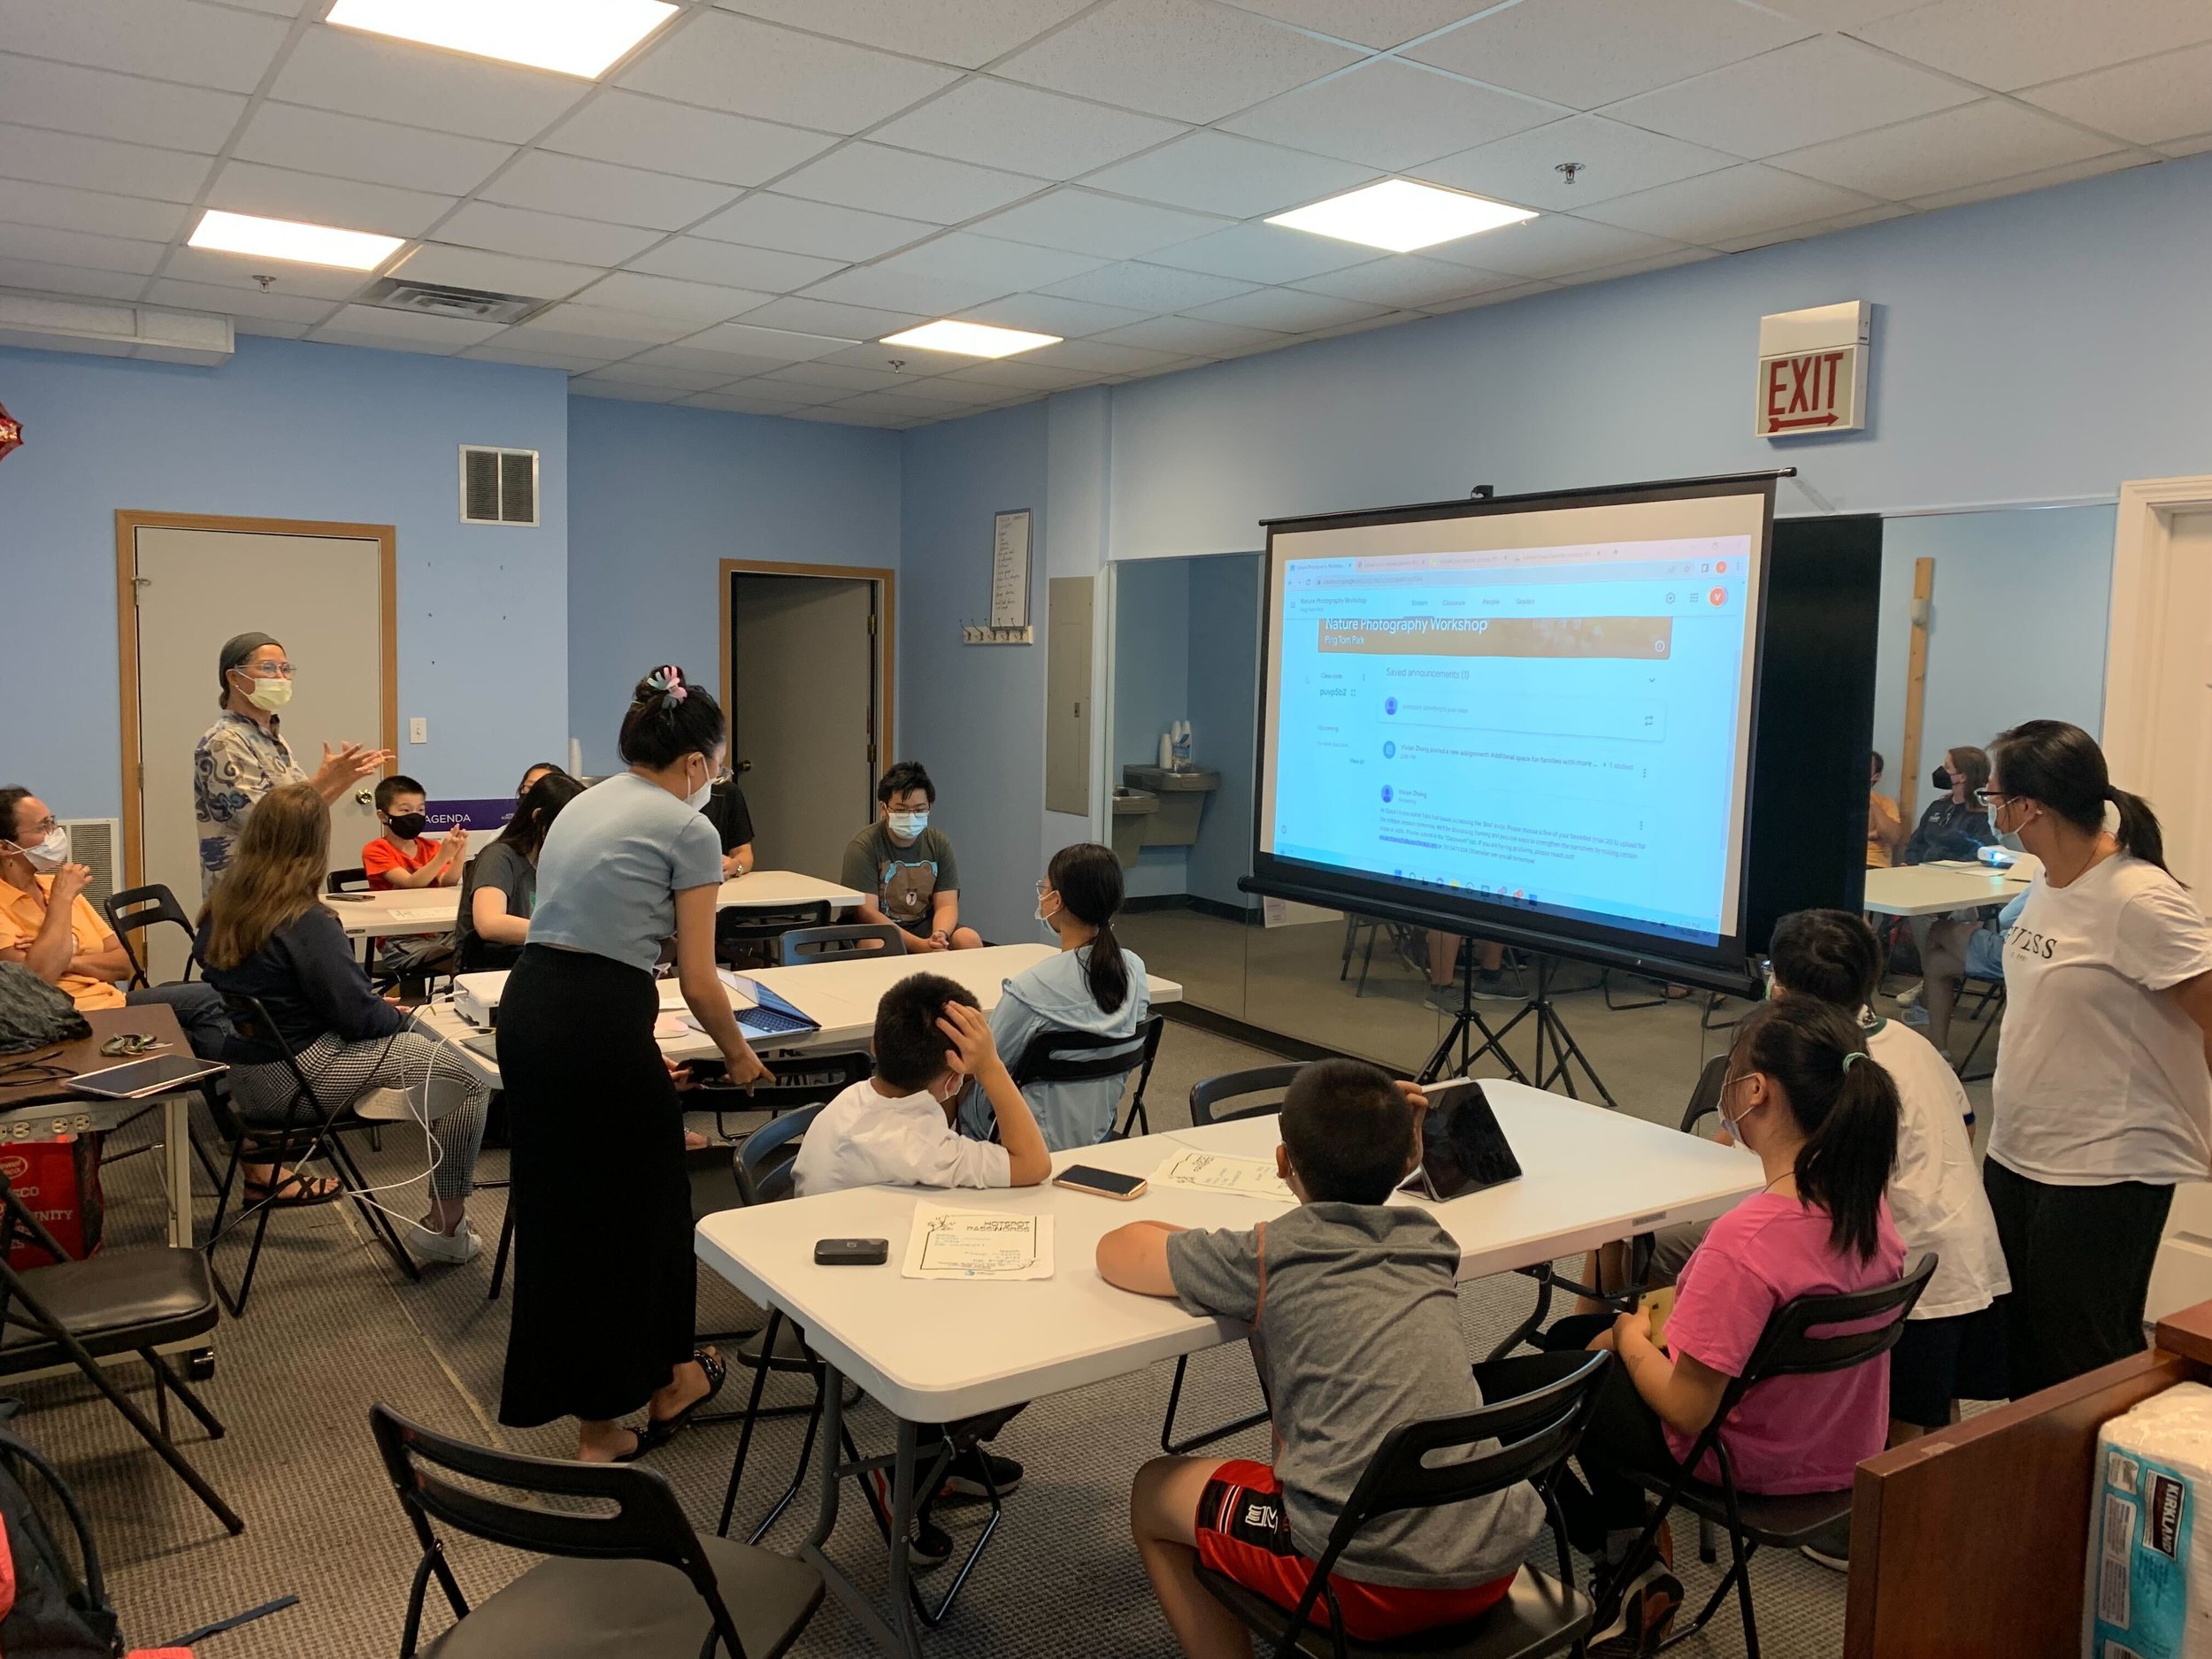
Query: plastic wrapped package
pixel 2148 1590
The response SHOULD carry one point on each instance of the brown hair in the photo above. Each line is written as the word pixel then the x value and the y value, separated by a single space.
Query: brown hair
pixel 275 875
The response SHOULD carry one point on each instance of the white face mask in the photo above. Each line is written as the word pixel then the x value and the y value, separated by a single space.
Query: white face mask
pixel 697 799
pixel 268 695
pixel 50 854
pixel 1734 1125
pixel 907 826
pixel 1047 920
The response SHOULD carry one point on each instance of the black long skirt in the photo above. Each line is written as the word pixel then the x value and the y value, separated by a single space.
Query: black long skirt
pixel 603 1271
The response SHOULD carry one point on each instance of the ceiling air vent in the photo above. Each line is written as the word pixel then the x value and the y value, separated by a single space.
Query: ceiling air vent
pixel 499 486
pixel 433 299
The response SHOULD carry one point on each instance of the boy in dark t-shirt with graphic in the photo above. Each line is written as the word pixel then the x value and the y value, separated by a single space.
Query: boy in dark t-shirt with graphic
pixel 906 868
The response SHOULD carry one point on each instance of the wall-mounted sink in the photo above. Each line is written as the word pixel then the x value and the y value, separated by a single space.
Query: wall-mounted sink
pixel 1132 810
pixel 1178 798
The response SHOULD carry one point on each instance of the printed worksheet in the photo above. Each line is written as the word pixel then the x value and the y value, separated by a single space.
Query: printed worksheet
pixel 1214 1172
pixel 978 1244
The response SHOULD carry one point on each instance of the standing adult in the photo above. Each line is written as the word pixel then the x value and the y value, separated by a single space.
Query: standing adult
pixel 603 1317
pixel 243 755
pixel 2102 1097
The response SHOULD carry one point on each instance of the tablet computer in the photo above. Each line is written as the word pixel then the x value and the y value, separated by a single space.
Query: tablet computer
pixel 1463 1149
pixel 140 1077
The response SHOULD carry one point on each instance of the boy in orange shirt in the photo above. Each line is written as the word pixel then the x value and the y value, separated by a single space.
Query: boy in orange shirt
pixel 402 855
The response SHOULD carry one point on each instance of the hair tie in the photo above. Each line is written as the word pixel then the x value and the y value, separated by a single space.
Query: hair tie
pixel 1851 1054
pixel 668 679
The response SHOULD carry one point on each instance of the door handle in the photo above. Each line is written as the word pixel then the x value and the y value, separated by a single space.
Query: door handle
pixel 742 766
pixel 363 797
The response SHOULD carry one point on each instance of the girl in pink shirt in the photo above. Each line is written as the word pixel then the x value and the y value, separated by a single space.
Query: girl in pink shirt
pixel 1803 1095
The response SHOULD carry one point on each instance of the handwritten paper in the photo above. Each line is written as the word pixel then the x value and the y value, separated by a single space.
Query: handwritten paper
pixel 1010 569
pixel 978 1244
pixel 1213 1172
pixel 421 913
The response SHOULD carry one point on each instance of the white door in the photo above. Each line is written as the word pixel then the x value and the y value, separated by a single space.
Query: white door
pixel 802 714
pixel 322 598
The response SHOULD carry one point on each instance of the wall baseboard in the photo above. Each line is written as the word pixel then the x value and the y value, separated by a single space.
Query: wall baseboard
pixel 1252 1036
pixel 1191 902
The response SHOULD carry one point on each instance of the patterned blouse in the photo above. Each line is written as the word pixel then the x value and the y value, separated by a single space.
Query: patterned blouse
pixel 235 764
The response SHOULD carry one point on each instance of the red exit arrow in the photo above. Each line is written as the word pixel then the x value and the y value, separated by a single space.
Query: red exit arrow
pixel 1802 421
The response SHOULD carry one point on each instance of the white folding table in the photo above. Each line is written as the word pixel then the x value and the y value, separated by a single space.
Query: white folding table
pixel 1938 889
pixel 775 889
pixel 933 1351
pixel 396 912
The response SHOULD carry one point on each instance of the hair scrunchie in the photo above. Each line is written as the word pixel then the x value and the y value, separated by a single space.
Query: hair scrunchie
pixel 1852 1055
pixel 669 680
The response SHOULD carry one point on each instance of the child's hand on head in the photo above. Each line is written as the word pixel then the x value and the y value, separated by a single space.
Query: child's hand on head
pixel 973 1053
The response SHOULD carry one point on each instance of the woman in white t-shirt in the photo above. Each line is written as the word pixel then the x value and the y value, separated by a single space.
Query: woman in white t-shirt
pixel 2103 1097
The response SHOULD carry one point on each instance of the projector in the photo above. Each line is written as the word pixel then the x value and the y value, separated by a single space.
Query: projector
pixel 476 998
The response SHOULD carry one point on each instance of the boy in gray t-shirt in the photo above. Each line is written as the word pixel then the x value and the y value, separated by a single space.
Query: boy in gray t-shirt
pixel 1352 1303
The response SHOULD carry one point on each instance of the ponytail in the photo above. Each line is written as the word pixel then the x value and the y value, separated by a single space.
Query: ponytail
pixel 1087 878
pixel 1844 1102
pixel 2061 768
pixel 2139 833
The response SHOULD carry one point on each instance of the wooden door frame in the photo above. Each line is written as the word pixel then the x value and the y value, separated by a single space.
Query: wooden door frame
pixel 128 523
pixel 887 632
pixel 2142 553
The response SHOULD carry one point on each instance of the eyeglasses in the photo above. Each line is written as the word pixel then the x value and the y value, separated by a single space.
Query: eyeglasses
pixel 279 671
pixel 1992 798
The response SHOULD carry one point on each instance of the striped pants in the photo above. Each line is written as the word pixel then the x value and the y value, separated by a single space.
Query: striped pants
pixel 263 1095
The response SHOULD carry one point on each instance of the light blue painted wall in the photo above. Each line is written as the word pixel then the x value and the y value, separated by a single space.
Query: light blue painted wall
pixel 658 496
pixel 1225 665
pixel 291 431
pixel 1152 689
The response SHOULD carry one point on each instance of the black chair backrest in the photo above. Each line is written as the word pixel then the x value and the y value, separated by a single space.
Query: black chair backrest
pixel 1705 1097
pixel 346 881
pixel 1085 1056
pixel 252 1024
pixel 763 1163
pixel 137 909
pixel 1789 1347
pixel 755 926
pixel 1207 1095
pixel 836 944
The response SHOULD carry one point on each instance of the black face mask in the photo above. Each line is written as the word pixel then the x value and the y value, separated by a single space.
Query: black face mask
pixel 1941 778
pixel 407 825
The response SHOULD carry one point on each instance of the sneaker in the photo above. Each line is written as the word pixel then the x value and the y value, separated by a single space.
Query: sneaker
pixel 1914 1014
pixel 964 1476
pixel 1647 1617
pixel 1830 1548
pixel 931 1545
pixel 1490 985
pixel 1908 997
pixel 460 1245
pixel 1443 998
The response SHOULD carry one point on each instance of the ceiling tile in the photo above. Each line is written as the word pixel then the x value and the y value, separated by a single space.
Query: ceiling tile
pixel 2150 102
pixel 1098 357
pixel 899 182
pixel 837 377
pixel 665 296
pixel 353 146
pixel 970 32
pixel 1584 53
pixel 394 80
pixel 998 123
pixel 629 128
pixel 1949 150
pixel 1407 280
pixel 1263 253
pixel 1369 22
pixel 1287 311
pixel 273 330
pixel 1391 114
pixel 590 351
pixel 176 39
pixel 2196 144
pixel 2012 43
pixel 247 187
pixel 1803 95
pixel 544 235
pixel 504 349
pixel 275 8
pixel 1219 172
pixel 605 325
pixel 1011 266
pixel 806 315
pixel 947 394
pixel 1616 159
pixel 373 326
pixel 909 363
pixel 101 164
pixel 738 403
pixel 600 189
pixel 494 272
pixel 242 302
pixel 1189 60
pixel 635 373
pixel 1048 314
pixel 71 247
pixel 104 105
pixel 887 289
pixel 1635 267
pixel 792 226
pixel 1190 337
pixel 1839 14
pixel 1491 297
pixel 1083 221
pixel 1550 246
pixel 786 391
pixel 1013 374
pixel 1735 202
pixel 2042 180
pixel 233 270
pixel 697 259
pixel 726 366
pixel 782 344
pixel 77 282
pixel 1873 215
pixel 61 208
pixel 1148 287
pixel 624 391
pixel 748 67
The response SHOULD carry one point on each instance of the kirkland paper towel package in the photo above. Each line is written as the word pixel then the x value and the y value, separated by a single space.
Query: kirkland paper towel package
pixel 2149 1586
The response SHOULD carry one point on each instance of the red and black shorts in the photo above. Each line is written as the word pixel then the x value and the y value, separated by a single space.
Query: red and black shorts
pixel 1241 1535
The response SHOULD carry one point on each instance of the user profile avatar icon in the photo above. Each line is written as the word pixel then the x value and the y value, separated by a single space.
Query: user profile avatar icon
pixel 1390 751
pixel 1390 705
pixel 1386 792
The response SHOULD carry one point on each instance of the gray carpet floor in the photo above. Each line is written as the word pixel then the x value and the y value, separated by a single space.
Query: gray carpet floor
pixel 332 1328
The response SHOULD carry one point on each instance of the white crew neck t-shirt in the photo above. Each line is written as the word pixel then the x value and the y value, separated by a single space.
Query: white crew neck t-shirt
pixel 2100 1076
pixel 1935 1192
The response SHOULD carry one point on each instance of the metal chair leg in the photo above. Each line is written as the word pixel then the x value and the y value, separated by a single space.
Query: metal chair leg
pixel 1177 1449
pixel 167 1381
pixel 506 1245
pixel 751 1416
pixel 798 1472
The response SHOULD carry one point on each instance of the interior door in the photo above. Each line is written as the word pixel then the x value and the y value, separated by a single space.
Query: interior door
pixel 803 699
pixel 322 598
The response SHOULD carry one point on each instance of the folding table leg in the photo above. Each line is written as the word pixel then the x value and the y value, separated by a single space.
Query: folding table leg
pixel 897 1635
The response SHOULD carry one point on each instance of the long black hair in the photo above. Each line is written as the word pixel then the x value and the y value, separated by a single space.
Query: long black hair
pixel 1845 1103
pixel 1087 878
pixel 2060 767
pixel 540 805
pixel 671 718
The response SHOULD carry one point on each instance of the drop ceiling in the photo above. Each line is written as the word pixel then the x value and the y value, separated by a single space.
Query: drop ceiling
pixel 733 215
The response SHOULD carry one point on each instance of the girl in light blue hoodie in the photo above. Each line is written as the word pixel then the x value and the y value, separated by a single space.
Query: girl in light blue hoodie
pixel 1092 986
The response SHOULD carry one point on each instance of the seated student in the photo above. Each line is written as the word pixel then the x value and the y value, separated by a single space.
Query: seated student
pixel 907 868
pixel 266 932
pixel 1885 824
pixel 48 925
pixel 501 885
pixel 1092 985
pixel 1359 1333
pixel 1955 825
pixel 1958 947
pixel 537 770
pixel 1803 1093
pixel 732 822
pixel 402 855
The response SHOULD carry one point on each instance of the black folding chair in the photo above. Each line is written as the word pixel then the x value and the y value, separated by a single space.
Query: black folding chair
pixel 1788 1346
pixel 609 1589
pixel 749 935
pixel 121 1301
pixel 1989 1011
pixel 1534 1434
pixel 137 911
pixel 1082 1056
pixel 347 881
pixel 839 943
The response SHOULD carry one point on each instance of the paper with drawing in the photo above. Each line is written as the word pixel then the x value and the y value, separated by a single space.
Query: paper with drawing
pixel 978 1244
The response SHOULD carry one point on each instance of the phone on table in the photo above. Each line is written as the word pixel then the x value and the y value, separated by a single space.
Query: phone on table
pixel 852 1252
pixel 1463 1149
pixel 349 898
pixel 1105 1183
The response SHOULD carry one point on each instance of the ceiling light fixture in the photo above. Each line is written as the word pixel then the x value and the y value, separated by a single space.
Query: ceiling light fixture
pixel 970 340
pixel 284 239
pixel 1400 215
pixel 574 37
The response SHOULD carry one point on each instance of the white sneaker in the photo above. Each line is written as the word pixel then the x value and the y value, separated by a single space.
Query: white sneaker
pixel 460 1245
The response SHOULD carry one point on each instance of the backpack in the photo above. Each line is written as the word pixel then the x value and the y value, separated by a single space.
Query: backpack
pixel 46 1611
pixel 34 1014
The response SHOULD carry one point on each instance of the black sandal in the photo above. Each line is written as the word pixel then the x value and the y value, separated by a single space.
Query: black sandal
pixel 294 1191
pixel 660 1431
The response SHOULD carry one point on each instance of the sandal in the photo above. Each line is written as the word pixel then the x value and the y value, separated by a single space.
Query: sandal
pixel 660 1431
pixel 639 1444
pixel 294 1191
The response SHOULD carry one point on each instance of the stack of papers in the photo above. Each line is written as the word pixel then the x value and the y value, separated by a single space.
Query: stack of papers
pixel 978 1244
pixel 1213 1172
pixel 421 913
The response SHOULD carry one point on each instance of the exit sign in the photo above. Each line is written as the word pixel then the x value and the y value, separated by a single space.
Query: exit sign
pixel 1812 371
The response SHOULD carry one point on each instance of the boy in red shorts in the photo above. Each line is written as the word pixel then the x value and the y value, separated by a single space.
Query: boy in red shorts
pixel 1352 1309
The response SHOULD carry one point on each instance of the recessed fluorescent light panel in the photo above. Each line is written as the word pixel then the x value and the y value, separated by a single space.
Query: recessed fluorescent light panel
pixel 576 37
pixel 970 340
pixel 283 239
pixel 1400 215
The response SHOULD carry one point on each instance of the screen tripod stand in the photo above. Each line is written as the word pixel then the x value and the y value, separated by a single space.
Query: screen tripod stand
pixel 1552 1035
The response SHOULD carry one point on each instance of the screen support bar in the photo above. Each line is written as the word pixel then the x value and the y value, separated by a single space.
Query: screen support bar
pixel 1551 1032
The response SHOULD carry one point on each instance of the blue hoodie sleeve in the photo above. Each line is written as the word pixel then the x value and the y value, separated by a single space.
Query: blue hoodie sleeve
pixel 332 983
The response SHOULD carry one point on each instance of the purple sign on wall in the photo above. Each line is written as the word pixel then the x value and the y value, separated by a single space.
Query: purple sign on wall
pixel 475 816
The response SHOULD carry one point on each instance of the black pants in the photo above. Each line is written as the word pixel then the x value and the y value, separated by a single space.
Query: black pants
pixel 1624 1438
pixel 2080 1259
